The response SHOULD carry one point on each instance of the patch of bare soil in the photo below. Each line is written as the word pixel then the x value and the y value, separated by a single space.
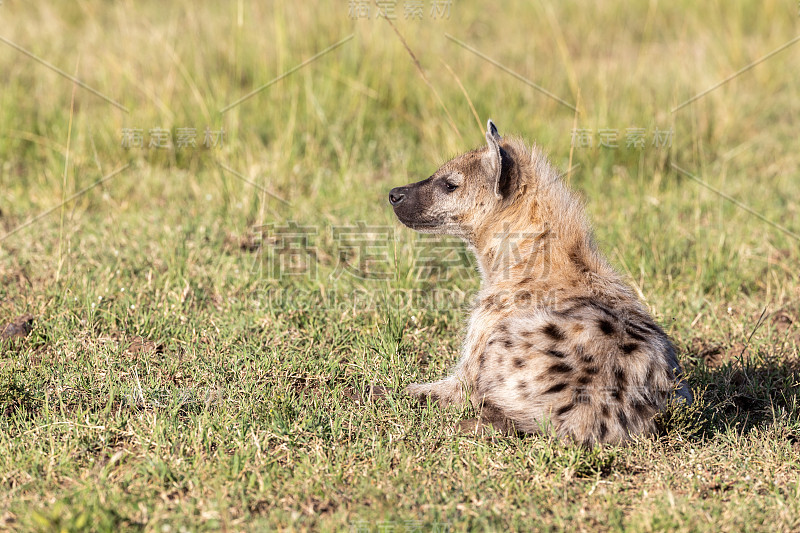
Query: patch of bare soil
pixel 371 394
pixel 782 320
pixel 713 354
pixel 249 242
pixel 132 346
pixel 784 329
pixel 138 345
pixel 20 327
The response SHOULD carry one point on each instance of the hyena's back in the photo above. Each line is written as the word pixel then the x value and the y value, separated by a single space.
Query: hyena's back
pixel 588 371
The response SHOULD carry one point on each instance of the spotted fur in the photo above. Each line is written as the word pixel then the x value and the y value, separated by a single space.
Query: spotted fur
pixel 557 341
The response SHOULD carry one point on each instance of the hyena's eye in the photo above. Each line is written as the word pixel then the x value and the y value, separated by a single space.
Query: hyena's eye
pixel 450 186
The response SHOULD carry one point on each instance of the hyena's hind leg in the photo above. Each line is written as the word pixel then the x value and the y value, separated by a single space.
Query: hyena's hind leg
pixel 490 418
pixel 451 391
pixel 447 391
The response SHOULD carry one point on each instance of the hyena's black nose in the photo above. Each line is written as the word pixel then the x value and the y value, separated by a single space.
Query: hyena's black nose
pixel 396 196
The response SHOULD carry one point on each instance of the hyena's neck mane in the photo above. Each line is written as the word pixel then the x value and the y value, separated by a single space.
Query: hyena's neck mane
pixel 539 234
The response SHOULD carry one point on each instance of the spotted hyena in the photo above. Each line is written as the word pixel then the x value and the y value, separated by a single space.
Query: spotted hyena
pixel 556 340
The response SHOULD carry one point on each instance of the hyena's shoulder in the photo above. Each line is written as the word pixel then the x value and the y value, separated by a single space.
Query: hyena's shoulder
pixel 595 372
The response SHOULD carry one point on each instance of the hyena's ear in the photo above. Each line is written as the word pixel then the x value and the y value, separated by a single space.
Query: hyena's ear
pixel 499 162
pixel 491 129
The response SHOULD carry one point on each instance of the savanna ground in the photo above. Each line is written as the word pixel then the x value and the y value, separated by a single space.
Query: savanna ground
pixel 205 339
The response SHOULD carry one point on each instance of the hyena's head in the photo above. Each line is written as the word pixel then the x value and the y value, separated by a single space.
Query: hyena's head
pixel 462 193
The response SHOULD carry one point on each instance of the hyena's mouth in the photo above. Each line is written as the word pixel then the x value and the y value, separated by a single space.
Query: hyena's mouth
pixel 423 226
pixel 417 220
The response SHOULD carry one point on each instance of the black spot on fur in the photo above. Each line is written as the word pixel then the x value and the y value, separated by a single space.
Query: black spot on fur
pixel 617 394
pixel 605 411
pixel 556 353
pixel 526 333
pixel 576 255
pixel 482 359
pixel 636 335
pixel 636 325
pixel 554 332
pixel 508 343
pixel 581 396
pixel 560 368
pixel 623 420
pixel 503 328
pixel 581 302
pixel 649 376
pixel 644 323
pixel 580 351
pixel 591 370
pixel 651 326
pixel 642 409
pixel 584 380
pixel 629 347
pixel 522 385
pixel 558 387
pixel 565 409
pixel 519 362
pixel 619 375
pixel 603 430
pixel 606 326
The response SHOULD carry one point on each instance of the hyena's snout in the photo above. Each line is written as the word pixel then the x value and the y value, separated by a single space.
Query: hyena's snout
pixel 416 206
pixel 410 205
pixel 397 195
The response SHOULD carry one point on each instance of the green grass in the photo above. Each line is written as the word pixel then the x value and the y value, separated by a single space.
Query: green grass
pixel 174 380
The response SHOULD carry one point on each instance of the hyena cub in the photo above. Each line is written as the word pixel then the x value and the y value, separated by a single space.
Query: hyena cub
pixel 556 340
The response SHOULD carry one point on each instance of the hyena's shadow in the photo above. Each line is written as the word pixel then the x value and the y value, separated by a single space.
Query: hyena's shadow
pixel 736 390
